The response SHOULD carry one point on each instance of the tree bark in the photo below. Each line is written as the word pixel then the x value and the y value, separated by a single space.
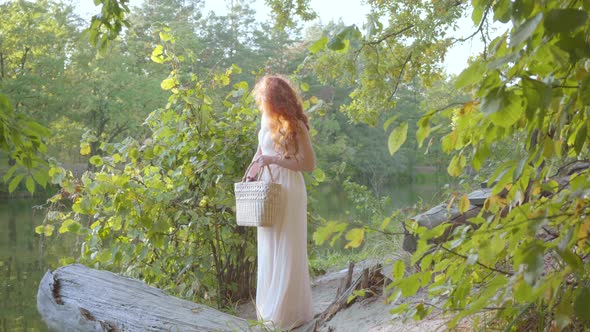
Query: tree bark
pixel 78 298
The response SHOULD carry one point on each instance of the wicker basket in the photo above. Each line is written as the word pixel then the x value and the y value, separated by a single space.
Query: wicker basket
pixel 258 203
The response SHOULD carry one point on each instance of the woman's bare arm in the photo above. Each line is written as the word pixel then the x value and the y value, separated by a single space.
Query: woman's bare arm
pixel 256 167
pixel 305 161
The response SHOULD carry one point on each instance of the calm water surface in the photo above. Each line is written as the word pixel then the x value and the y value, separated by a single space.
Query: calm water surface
pixel 24 258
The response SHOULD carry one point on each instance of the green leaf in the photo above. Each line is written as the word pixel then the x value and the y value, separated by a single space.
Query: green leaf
pixel 523 292
pixel 504 109
pixel 48 230
pixel 464 204
pixel 525 30
pixel 319 175
pixel 103 256
pixel 318 45
pixel 480 156
pixel 157 54
pixel 96 161
pixel 355 237
pixel 40 229
pixel 581 137
pixel 85 148
pixel 336 44
pixel 410 285
pixel 565 20
pixel 30 184
pixel 390 121
pixel 532 258
pixel 399 269
pixel 37 129
pixel 471 75
pixel 571 259
pixel 14 183
pixel 385 222
pixel 518 170
pixel 65 226
pixel 350 32
pixel 584 91
pixel 537 95
pixel 423 130
pixel 456 165
pixel 304 87
pixel 477 13
pixel 168 83
pixel 548 148
pixel 164 36
pixel 134 154
pixel 492 102
pixel 502 10
pixel 324 233
pixel 9 173
pixel 522 9
pixel 117 158
pixel 41 177
pixel 563 312
pixel 582 304
pixel 397 138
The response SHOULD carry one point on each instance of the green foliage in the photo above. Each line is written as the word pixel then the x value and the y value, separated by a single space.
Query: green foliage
pixel 524 257
pixel 287 10
pixel 397 137
pixel 380 60
pixel 22 140
pixel 161 209
pixel 107 25
pixel 33 41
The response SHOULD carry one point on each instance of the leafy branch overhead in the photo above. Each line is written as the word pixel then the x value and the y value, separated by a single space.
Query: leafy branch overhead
pixel 526 253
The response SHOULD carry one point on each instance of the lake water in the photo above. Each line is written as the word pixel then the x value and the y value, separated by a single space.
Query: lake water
pixel 23 261
pixel 26 256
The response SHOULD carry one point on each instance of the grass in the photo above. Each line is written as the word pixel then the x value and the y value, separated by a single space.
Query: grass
pixel 376 246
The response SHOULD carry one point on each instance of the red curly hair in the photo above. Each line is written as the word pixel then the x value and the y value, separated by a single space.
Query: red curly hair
pixel 278 98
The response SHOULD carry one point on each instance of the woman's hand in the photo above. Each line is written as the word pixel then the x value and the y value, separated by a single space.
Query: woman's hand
pixel 265 160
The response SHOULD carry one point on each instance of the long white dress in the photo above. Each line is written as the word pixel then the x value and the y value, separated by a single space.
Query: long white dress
pixel 283 292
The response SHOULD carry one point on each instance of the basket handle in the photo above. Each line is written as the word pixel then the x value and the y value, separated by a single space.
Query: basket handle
pixel 259 172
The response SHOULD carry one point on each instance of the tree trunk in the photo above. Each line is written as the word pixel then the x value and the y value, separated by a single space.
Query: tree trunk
pixel 78 298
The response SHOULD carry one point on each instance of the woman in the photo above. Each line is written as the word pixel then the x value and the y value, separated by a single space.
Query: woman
pixel 283 293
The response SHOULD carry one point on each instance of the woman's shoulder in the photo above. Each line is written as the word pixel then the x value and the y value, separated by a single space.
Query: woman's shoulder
pixel 301 125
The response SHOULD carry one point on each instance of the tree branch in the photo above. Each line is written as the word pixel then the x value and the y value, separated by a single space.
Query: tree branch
pixel 479 28
pixel 119 129
pixel 477 262
pixel 399 76
pixel 1 65
pixel 24 58
pixel 389 35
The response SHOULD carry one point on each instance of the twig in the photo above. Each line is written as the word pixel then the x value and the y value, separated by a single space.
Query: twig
pixel 389 35
pixel 399 76
pixel 453 309
pixel 548 231
pixel 479 28
pixel 477 262
pixel 565 86
pixel 444 108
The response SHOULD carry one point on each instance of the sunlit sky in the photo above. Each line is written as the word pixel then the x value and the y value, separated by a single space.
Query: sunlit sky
pixel 351 12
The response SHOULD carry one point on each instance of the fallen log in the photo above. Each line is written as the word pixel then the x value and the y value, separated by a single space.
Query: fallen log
pixel 444 213
pixel 78 298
